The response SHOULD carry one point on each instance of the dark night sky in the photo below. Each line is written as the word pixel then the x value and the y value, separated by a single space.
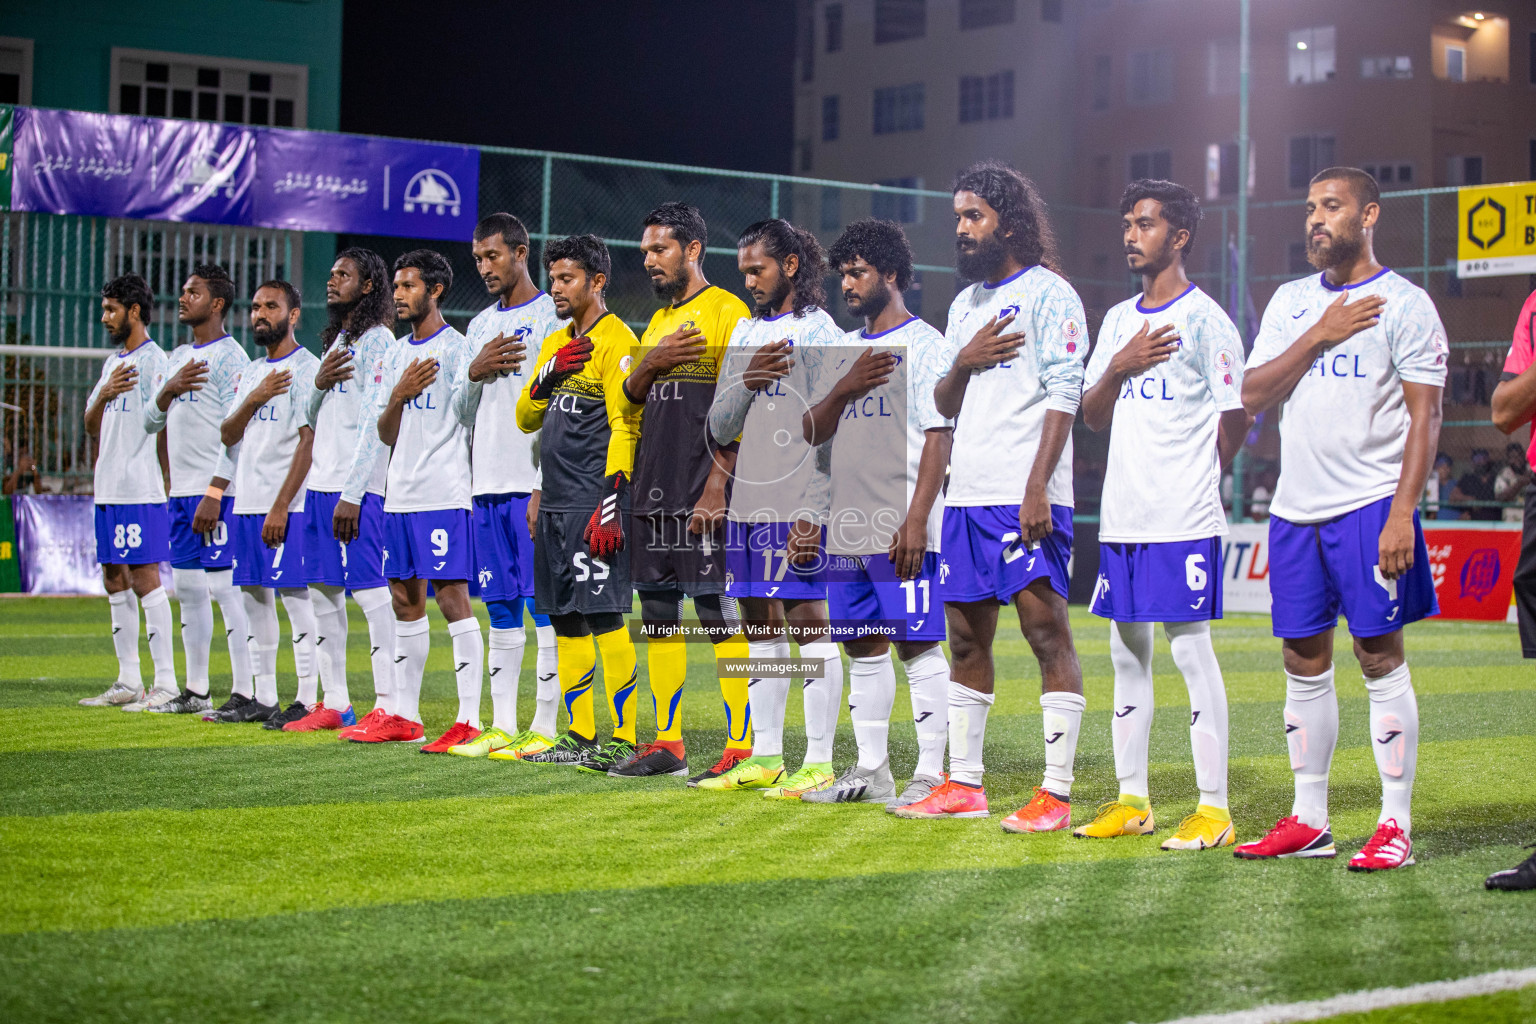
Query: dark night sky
pixel 704 82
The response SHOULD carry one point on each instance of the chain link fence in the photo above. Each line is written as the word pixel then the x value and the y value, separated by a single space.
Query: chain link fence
pixel 51 269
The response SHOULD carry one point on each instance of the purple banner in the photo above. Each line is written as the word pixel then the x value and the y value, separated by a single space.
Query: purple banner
pixel 149 168
pixel 107 165
pixel 313 181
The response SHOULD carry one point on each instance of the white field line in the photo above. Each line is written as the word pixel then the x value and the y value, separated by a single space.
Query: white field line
pixel 1372 999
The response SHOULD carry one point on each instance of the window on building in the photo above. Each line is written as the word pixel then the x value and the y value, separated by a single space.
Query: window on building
pixel 1050 10
pixel 899 108
pixel 15 70
pixel 831 209
pixel 1386 174
pixel 1149 78
pixel 833 14
pixel 899 207
pixel 1456 63
pixel 896 20
pixel 805 48
pixel 1099 185
pixel 209 88
pixel 1309 154
pixel 986 97
pixel 1386 67
pixel 1310 55
pixel 1101 81
pixel 1221 70
pixel 986 13
pixel 829 118
pixel 1464 170
pixel 1154 163
pixel 1221 170
pixel 803 155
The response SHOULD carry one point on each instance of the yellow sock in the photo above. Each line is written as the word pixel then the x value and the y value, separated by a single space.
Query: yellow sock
pixel 667 658
pixel 1219 813
pixel 618 652
pixel 733 690
pixel 577 660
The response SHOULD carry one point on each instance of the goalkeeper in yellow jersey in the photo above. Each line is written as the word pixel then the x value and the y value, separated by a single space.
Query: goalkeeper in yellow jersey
pixel 681 486
pixel 587 452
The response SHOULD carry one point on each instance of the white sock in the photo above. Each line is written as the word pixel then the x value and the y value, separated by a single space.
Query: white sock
pixel 302 628
pixel 546 670
pixel 379 611
pixel 823 697
pixel 196 625
pixel 1062 718
pixel 767 699
pixel 124 609
pixel 967 731
pixel 1311 730
pixel 1395 742
pixel 162 648
pixel 1196 659
pixel 261 612
pixel 505 662
pixel 412 641
pixel 237 629
pixel 330 604
pixel 928 680
pixel 468 667
pixel 871 696
pixel 1130 652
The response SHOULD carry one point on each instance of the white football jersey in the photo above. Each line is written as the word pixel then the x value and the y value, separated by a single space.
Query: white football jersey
pixel 998 430
pixel 879 441
pixel 349 457
pixel 1344 426
pixel 127 461
pixel 1163 481
pixel 501 455
pixel 779 478
pixel 272 435
pixel 192 422
pixel 429 464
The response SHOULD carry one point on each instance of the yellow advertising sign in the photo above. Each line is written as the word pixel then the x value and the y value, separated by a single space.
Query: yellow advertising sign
pixel 1497 230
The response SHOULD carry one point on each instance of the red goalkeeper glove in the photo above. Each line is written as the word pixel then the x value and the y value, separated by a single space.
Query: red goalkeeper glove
pixel 568 359
pixel 605 530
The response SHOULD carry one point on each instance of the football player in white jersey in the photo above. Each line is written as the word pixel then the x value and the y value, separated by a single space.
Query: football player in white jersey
pixel 504 480
pixel 344 505
pixel 775 558
pixel 890 448
pixel 190 406
pixel 1167 375
pixel 270 423
pixel 132 523
pixel 427 504
pixel 1355 357
pixel 1016 343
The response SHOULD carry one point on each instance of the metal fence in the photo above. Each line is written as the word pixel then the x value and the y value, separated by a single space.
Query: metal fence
pixel 51 269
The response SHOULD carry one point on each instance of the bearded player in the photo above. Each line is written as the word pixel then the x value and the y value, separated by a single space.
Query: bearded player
pixel 344 524
pixel 774 550
pixel 1355 358
pixel 1166 375
pixel 890 448
pixel 1015 345
pixel 680 488
pixel 587 452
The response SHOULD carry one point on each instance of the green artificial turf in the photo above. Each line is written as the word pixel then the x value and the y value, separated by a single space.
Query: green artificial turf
pixel 161 868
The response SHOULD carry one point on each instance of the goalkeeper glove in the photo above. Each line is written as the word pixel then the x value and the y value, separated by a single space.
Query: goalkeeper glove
pixel 568 359
pixel 605 530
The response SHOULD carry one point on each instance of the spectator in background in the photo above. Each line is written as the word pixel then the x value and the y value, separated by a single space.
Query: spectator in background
pixel 1514 404
pixel 1437 486
pixel 1477 485
pixel 20 476
pixel 1512 481
pixel 1263 491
